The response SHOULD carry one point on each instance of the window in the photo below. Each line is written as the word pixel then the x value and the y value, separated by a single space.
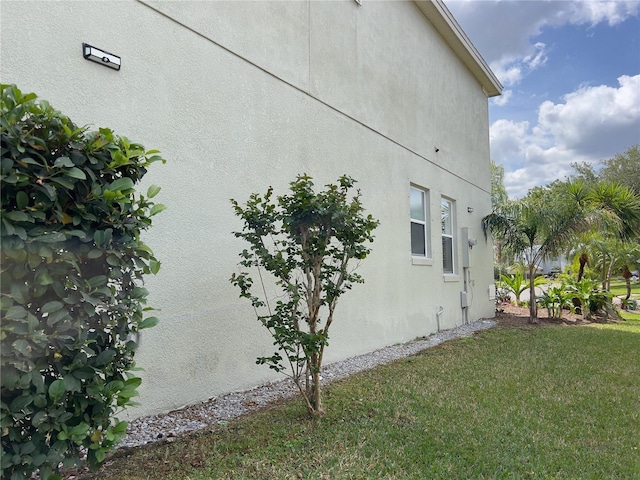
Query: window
pixel 447 220
pixel 419 225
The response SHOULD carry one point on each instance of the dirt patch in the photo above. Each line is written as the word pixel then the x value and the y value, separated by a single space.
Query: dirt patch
pixel 508 315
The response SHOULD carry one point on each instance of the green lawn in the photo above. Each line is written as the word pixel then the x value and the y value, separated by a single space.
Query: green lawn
pixel 619 288
pixel 554 402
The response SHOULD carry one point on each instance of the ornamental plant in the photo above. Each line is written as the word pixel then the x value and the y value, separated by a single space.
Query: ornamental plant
pixel 555 299
pixel 72 299
pixel 310 242
pixel 517 284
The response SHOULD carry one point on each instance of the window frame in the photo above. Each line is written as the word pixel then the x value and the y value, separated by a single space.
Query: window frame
pixel 424 223
pixel 451 235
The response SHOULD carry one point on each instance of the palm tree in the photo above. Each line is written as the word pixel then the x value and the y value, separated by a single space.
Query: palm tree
pixel 615 214
pixel 627 258
pixel 537 226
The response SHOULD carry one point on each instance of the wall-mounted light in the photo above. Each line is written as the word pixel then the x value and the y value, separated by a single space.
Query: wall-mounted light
pixel 100 56
pixel 470 209
pixel 437 149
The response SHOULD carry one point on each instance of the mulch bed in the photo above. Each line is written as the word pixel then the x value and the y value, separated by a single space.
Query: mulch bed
pixel 508 315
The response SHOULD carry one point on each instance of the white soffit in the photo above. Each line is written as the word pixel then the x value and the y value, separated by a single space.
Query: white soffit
pixel 443 21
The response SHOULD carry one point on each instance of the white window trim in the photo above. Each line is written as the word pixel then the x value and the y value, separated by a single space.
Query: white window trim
pixel 427 258
pixel 451 276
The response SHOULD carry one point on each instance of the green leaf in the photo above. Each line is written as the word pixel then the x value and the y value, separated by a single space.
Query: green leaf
pixel 98 281
pixel 132 383
pixel 100 455
pixel 51 307
pixel 20 403
pixel 154 266
pixel 79 430
pixel 72 384
pixel 22 200
pixel 16 312
pixel 104 358
pixel 51 237
pixel 84 373
pixel 148 323
pixel 56 390
pixel 57 316
pixel 18 217
pixel 157 208
pixel 113 260
pixel 62 181
pixel 75 172
pixel 44 278
pixel 19 292
pixel 38 459
pixel 153 190
pixel 63 162
pixel 121 184
pixel 120 427
pixel 76 233
pixel 22 346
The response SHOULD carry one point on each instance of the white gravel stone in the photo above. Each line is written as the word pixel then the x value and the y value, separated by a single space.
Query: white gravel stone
pixel 220 410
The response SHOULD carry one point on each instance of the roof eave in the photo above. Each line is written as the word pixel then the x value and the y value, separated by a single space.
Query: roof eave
pixel 444 22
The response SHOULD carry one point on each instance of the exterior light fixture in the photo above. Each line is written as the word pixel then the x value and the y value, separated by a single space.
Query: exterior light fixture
pixel 437 149
pixel 100 56
pixel 470 209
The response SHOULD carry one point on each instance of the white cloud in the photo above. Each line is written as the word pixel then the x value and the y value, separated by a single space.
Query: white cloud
pixel 593 117
pixel 594 12
pixel 503 99
pixel 592 124
pixel 510 70
pixel 504 31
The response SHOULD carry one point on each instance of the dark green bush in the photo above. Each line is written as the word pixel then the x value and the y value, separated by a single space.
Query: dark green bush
pixel 72 298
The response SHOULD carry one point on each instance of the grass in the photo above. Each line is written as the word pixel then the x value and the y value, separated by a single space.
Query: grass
pixel 552 403
pixel 619 288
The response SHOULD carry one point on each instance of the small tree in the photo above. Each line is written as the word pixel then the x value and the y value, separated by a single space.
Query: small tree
pixel 72 298
pixel 537 226
pixel 307 241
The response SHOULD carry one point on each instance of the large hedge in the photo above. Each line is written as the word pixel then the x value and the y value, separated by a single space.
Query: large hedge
pixel 72 298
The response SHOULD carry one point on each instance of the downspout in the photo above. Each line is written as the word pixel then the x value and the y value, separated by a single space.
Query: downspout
pixel 438 313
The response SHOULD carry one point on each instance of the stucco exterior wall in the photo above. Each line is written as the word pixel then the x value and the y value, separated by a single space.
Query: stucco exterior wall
pixel 242 95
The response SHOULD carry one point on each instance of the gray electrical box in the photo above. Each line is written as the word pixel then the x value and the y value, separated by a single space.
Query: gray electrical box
pixel 464 299
pixel 465 236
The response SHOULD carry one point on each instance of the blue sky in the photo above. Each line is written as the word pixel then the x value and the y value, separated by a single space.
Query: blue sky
pixel 571 76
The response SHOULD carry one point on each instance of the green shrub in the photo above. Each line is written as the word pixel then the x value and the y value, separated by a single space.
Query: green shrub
pixel 591 298
pixel 309 242
pixel 517 284
pixel 555 299
pixel 72 299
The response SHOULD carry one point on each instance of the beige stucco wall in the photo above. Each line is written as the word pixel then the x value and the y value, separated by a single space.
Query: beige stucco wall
pixel 242 95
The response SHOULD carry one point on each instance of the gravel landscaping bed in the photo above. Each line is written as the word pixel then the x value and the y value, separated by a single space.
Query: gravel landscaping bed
pixel 220 410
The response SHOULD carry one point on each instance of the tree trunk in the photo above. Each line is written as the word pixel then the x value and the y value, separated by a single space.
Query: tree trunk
pixel 626 274
pixel 609 273
pixel 314 390
pixel 603 275
pixel 533 306
pixel 317 396
pixel 584 259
